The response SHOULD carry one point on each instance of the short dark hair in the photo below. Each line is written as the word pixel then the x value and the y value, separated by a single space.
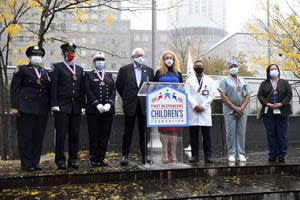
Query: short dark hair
pixel 268 70
pixel 198 61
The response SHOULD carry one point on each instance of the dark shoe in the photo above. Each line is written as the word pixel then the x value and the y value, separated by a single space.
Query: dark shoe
pixel 124 160
pixel 272 159
pixel 61 166
pixel 148 161
pixel 281 159
pixel 37 168
pixel 103 164
pixel 194 159
pixel 73 164
pixel 28 169
pixel 208 160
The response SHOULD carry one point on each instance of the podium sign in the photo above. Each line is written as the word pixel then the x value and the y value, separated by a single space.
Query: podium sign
pixel 166 107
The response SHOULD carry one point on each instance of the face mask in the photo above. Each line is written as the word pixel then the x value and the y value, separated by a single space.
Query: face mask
pixel 234 71
pixel 36 60
pixel 139 60
pixel 274 73
pixel 70 56
pixel 100 64
pixel 169 62
pixel 199 70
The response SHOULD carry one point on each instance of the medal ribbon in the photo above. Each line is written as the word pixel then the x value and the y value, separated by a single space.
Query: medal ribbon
pixel 72 71
pixel 236 81
pixel 102 75
pixel 274 84
pixel 38 74
pixel 200 82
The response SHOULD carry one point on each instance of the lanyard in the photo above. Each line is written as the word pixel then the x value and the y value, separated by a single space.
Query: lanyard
pixel 274 84
pixel 236 81
pixel 38 74
pixel 102 75
pixel 72 71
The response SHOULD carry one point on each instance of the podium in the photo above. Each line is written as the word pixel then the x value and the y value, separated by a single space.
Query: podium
pixel 166 115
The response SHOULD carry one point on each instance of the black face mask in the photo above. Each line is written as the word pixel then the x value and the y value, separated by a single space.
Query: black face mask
pixel 199 70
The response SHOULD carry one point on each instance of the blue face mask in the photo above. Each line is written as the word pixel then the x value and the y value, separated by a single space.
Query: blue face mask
pixel 100 64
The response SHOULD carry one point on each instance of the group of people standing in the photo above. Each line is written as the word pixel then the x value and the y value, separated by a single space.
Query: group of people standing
pixel 66 90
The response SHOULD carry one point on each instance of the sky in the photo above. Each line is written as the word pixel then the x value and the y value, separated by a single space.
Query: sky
pixel 238 11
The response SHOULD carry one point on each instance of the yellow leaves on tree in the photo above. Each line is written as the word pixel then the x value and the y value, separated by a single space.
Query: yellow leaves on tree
pixel 13 29
pixel 80 16
pixel 32 3
pixel 11 3
pixel 109 19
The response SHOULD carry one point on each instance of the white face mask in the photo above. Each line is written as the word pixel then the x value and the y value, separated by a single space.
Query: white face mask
pixel 139 60
pixel 36 60
pixel 234 71
pixel 274 73
pixel 100 64
pixel 169 62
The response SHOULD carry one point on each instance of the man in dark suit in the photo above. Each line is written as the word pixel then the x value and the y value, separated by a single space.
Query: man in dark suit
pixel 30 88
pixel 67 100
pixel 129 81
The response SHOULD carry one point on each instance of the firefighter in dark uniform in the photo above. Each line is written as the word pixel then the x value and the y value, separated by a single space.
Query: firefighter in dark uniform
pixel 100 92
pixel 67 101
pixel 30 91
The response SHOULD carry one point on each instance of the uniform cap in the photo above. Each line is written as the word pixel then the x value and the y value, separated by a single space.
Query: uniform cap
pixel 68 47
pixel 35 50
pixel 98 55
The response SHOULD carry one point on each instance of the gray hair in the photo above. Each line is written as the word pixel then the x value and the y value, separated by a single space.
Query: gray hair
pixel 136 50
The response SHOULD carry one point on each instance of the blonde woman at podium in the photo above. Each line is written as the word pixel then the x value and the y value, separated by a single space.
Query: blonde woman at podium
pixel 168 71
pixel 200 90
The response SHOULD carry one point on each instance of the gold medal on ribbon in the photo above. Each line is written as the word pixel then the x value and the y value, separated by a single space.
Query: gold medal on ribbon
pixel 102 83
pixel 74 78
pixel 38 81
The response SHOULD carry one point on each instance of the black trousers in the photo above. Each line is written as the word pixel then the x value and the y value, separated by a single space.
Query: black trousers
pixel 99 127
pixel 66 123
pixel 31 130
pixel 128 132
pixel 206 140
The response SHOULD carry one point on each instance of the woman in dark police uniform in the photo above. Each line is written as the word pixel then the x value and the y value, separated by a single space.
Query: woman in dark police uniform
pixel 100 92
pixel 30 89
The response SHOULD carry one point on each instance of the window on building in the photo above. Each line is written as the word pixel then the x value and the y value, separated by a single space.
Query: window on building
pixel 63 27
pixel 113 41
pixel 123 53
pixel 197 7
pixel 83 40
pixel 191 7
pixel 83 52
pixel 93 40
pixel 136 37
pixel 31 26
pixel 94 16
pixel 163 38
pixel 113 66
pixel 84 27
pixel 145 37
pixel 73 27
pixel 93 28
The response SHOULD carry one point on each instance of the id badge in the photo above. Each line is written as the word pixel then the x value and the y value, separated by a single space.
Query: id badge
pixel 276 111
pixel 266 110
pixel 205 92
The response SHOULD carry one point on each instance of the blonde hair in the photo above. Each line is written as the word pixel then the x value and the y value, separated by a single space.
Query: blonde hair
pixel 163 69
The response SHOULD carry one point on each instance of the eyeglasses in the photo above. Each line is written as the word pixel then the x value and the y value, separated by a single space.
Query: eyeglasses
pixel 232 66
pixel 99 59
pixel 138 55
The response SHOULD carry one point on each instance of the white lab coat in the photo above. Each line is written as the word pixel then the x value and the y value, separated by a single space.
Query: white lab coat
pixel 197 98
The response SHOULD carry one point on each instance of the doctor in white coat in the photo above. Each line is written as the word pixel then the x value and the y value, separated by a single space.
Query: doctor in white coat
pixel 200 90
